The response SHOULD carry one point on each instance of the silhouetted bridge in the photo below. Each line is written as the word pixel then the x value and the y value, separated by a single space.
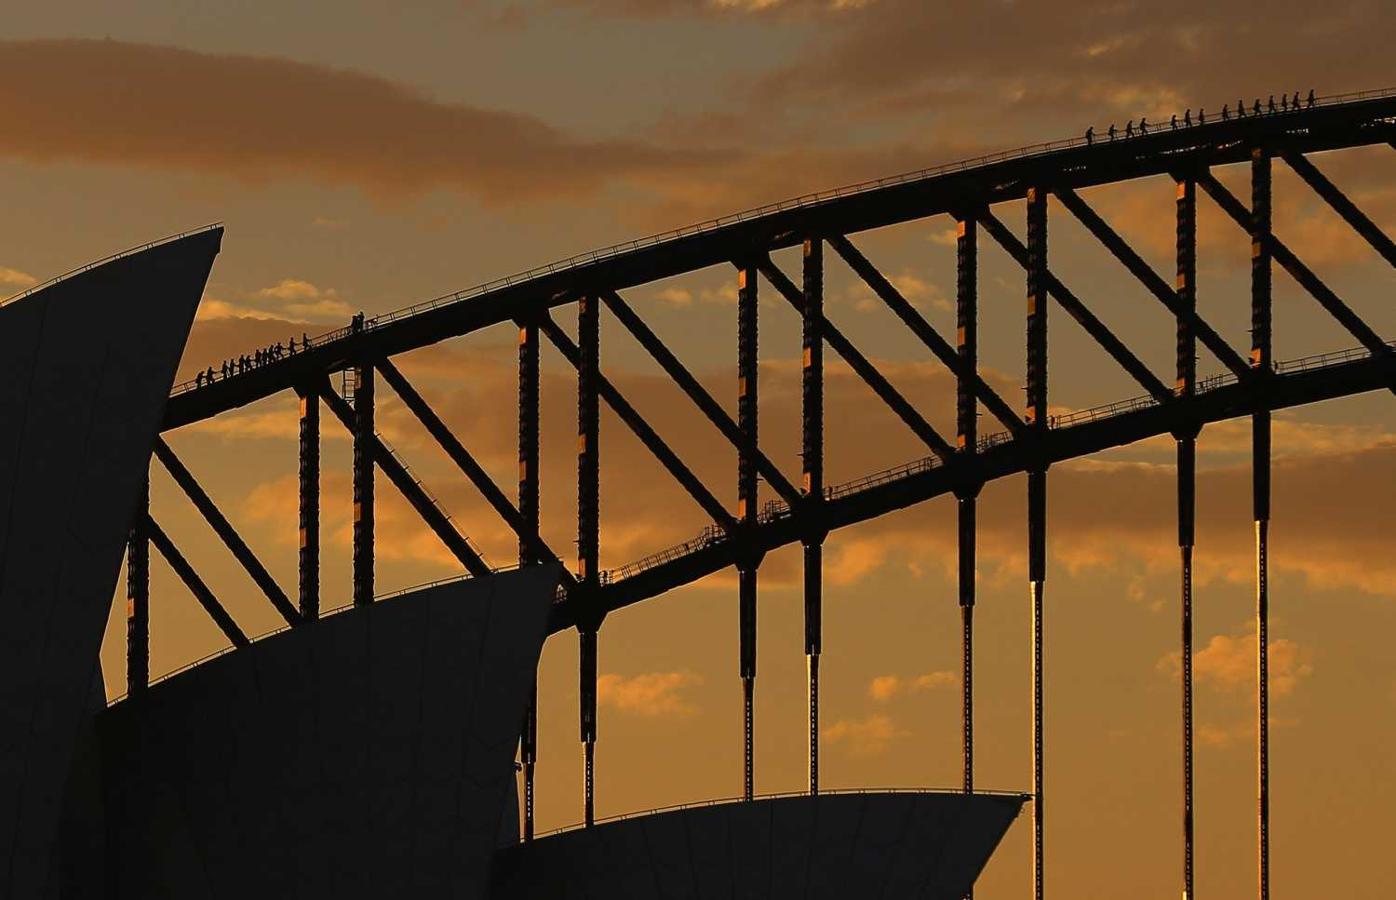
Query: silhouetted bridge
pixel 1251 384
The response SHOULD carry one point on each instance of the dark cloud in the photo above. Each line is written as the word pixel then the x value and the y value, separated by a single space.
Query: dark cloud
pixel 259 118
pixel 651 8
pixel 1008 55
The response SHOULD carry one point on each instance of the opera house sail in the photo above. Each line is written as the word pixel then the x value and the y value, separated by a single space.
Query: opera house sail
pixel 368 752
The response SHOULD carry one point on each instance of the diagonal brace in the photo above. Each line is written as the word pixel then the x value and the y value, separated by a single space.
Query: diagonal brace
pixel 1356 218
pixel 1078 311
pixel 224 529
pixel 696 392
pixel 860 364
pixel 642 430
pixel 1301 273
pixel 924 330
pixel 397 473
pixel 463 459
pixel 1151 279
pixel 196 585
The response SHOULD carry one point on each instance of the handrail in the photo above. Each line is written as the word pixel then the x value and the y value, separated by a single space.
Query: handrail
pixel 802 202
pixel 776 508
pixel 779 795
pixel 106 259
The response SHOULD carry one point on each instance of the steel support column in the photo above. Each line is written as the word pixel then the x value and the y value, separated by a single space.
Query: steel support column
pixel 138 596
pixel 1262 362
pixel 363 485
pixel 967 438
pixel 1036 260
pixel 1185 434
pixel 529 539
pixel 309 475
pixel 747 502
pixel 588 530
pixel 812 452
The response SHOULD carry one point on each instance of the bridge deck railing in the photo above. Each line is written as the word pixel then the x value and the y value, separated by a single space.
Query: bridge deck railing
pixel 780 795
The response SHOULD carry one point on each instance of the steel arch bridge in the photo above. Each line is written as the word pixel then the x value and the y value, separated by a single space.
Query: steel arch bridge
pixel 1252 383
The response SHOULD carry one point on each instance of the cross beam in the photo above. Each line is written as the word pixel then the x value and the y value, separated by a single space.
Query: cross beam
pixel 888 293
pixel 1301 273
pixel 1078 311
pixel 860 364
pixel 225 531
pixel 1342 205
pixel 696 392
pixel 397 473
pixel 196 585
pixel 642 430
pixel 465 461
pixel 1151 279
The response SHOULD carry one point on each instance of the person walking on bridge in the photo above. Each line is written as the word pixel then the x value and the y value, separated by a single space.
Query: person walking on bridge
pixel 1090 135
pixel 1311 98
pixel 1111 132
pixel 1129 129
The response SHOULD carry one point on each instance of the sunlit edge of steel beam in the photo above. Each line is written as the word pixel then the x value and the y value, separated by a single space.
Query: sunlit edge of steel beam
pixel 1072 305
pixel 308 503
pixel 1297 270
pixel 464 461
pixel 641 428
pixel 888 294
pixel 587 360
pixel 196 585
pixel 181 475
pixel 1185 207
pixel 1039 282
pixel 1146 276
pixel 967 435
pixel 861 365
pixel 429 512
pixel 705 401
pixel 748 498
pixel 1259 224
pixel 138 595
pixel 812 464
pixel 1341 204
pixel 529 494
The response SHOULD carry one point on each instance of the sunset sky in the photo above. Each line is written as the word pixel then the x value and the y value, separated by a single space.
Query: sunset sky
pixel 365 155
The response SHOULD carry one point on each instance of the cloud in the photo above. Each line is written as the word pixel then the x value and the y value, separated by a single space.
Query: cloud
pixel 1026 59
pixel 917 290
pixel 213 308
pixel 14 278
pixel 260 118
pixel 864 737
pixel 884 687
pixel 656 8
pixel 1228 663
pixel 656 694
pixel 301 299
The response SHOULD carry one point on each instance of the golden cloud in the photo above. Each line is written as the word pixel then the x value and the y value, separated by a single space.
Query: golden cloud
pixel 868 736
pixel 655 694
pixel 14 278
pixel 1228 663
pixel 884 687
pixel 258 118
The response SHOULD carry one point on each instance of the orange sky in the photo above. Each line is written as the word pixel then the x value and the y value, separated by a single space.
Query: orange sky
pixel 365 157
